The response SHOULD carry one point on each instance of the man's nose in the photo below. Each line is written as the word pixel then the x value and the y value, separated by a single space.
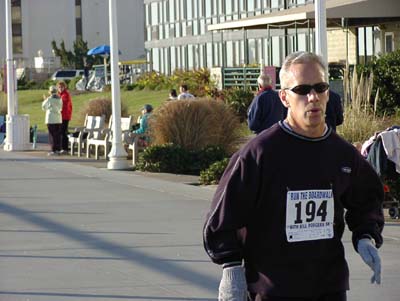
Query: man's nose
pixel 313 96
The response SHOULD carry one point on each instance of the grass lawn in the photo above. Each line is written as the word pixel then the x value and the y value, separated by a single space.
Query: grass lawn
pixel 29 102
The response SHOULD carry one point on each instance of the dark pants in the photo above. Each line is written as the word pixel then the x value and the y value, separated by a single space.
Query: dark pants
pixel 64 135
pixel 54 136
pixel 340 296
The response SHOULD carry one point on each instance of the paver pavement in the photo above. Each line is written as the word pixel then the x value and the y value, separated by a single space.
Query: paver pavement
pixel 70 230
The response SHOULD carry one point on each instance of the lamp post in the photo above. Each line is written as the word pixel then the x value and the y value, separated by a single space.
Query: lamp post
pixel 117 155
pixel 17 126
pixel 321 44
pixel 10 61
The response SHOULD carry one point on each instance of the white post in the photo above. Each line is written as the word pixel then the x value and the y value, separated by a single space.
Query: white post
pixel 17 126
pixel 321 44
pixel 117 155
pixel 10 61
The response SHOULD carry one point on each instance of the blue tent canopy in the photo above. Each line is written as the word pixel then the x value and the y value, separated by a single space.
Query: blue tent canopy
pixel 100 50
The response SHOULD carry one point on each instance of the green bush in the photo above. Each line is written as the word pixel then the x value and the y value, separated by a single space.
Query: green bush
pixel 198 81
pixel 164 158
pixel 386 70
pixel 151 81
pixel 207 156
pixel 195 124
pixel 72 83
pixel 47 83
pixel 128 87
pixel 173 158
pixel 239 100
pixel 3 104
pixel 213 174
pixel 26 85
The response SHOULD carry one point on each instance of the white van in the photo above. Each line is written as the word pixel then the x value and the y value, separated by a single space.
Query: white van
pixel 66 74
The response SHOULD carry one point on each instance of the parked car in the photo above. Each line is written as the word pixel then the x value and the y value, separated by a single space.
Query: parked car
pixel 66 74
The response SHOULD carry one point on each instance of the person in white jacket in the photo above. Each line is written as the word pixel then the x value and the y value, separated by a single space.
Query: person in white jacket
pixel 53 105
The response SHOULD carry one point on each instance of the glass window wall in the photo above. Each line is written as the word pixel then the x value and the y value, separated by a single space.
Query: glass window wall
pixel 154 13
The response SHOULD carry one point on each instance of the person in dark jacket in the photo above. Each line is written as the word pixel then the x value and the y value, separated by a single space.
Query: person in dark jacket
pixel 334 110
pixel 278 215
pixel 266 108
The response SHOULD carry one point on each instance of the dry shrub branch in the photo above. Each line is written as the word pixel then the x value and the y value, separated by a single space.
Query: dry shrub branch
pixel 195 124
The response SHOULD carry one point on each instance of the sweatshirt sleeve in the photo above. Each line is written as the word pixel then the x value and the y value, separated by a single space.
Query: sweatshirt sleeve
pixel 364 214
pixel 230 210
pixel 254 115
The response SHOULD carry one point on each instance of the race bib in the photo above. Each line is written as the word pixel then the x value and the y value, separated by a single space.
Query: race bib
pixel 309 215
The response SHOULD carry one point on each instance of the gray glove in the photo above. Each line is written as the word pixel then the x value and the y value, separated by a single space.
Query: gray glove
pixel 369 253
pixel 233 286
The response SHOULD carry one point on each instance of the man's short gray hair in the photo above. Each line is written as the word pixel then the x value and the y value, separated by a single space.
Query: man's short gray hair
pixel 264 80
pixel 300 57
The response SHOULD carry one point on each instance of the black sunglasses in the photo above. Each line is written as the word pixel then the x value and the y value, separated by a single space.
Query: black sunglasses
pixel 305 89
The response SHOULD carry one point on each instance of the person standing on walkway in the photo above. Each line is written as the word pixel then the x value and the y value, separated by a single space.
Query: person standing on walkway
pixel 53 105
pixel 266 108
pixel 66 114
pixel 278 215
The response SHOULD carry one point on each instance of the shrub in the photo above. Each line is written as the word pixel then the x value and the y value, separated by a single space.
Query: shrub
pixel 175 159
pixel 239 100
pixel 387 79
pixel 360 118
pixel 72 83
pixel 151 81
pixel 3 104
pixel 128 87
pixel 164 158
pixel 26 85
pixel 359 125
pixel 195 124
pixel 207 156
pixel 197 80
pixel 100 106
pixel 47 83
pixel 213 174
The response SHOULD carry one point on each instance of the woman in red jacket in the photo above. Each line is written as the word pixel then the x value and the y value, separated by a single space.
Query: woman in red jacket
pixel 66 114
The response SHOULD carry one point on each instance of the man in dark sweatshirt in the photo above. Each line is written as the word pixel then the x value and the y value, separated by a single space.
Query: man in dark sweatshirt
pixel 266 109
pixel 278 215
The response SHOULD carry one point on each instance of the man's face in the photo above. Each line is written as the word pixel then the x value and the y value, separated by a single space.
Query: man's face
pixel 306 113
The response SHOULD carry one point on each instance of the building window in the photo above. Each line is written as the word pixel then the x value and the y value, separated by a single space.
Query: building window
pixel 154 13
pixel 365 44
pixel 389 42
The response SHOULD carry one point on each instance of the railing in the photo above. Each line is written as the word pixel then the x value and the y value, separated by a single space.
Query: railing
pixel 243 77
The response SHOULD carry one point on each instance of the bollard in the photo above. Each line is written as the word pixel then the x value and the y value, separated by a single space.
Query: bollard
pixel 34 136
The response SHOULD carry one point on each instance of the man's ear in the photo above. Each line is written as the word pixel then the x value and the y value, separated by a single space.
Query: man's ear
pixel 282 95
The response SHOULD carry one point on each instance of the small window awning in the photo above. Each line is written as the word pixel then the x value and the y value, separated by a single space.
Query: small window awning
pixel 335 10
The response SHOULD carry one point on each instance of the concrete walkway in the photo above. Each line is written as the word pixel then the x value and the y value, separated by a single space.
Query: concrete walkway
pixel 72 230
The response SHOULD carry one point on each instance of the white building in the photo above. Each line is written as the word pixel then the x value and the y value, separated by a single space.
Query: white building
pixel 36 23
pixel 189 34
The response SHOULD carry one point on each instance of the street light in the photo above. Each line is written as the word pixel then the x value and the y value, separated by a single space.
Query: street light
pixel 17 126
pixel 320 29
pixel 117 153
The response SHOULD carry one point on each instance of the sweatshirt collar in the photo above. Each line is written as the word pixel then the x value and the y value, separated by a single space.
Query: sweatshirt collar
pixel 286 128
